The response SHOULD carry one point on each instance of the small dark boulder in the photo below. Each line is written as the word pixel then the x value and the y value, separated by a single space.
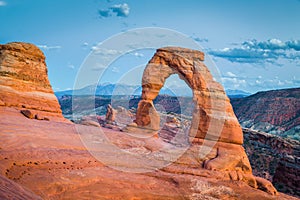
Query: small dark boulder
pixel 28 114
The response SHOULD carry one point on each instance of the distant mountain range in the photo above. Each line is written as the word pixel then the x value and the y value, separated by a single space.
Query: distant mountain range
pixel 110 89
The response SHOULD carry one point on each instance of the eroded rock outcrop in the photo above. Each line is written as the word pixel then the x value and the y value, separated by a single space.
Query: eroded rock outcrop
pixel 24 80
pixel 110 116
pixel 214 122
pixel 275 159
pixel 212 104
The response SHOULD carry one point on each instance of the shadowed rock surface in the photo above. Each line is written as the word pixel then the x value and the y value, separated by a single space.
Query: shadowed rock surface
pixel 275 159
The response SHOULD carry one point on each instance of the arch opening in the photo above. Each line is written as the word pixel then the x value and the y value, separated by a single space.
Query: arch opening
pixel 174 106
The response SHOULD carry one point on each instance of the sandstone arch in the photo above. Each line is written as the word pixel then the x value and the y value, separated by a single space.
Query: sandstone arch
pixel 212 106
pixel 213 118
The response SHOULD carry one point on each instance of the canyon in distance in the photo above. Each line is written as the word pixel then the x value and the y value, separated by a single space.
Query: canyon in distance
pixel 56 147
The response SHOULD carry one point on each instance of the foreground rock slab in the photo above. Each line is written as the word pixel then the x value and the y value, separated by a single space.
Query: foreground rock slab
pixel 50 159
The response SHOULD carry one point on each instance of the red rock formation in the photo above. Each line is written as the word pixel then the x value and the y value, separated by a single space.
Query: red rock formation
pixel 213 117
pixel 24 80
pixel 276 111
pixel 287 175
pixel 212 104
pixel 110 115
pixel 274 158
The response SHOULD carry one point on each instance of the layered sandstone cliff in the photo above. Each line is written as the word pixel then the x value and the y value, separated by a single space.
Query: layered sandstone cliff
pixel 276 112
pixel 275 159
pixel 24 81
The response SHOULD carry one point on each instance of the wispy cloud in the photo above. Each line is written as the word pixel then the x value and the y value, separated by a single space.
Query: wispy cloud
pixel 71 66
pixel 46 47
pixel 120 10
pixel 257 83
pixel 106 52
pixel 139 55
pixel 271 83
pixel 234 82
pixel 85 44
pixel 104 56
pixel 115 70
pixel 254 51
pixel 3 3
pixel 198 39
pixel 230 74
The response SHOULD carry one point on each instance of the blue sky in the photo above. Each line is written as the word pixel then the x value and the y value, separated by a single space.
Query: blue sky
pixel 255 44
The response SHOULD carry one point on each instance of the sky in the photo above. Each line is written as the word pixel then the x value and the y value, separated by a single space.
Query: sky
pixel 255 44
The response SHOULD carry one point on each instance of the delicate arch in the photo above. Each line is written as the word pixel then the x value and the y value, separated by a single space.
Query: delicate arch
pixel 213 116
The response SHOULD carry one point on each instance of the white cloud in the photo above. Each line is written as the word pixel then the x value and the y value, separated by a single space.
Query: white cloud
pixel 98 66
pixel 271 83
pixel 120 10
pixel 198 39
pixel 140 55
pixel 115 70
pixel 71 66
pixel 234 82
pixel 104 51
pixel 3 3
pixel 253 51
pixel 46 47
pixel 230 74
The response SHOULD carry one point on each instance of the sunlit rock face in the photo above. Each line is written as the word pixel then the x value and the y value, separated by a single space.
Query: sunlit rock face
pixel 213 116
pixel 24 80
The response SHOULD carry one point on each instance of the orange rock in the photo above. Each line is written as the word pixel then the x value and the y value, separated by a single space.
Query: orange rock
pixel 147 116
pixel 11 190
pixel 213 116
pixel 24 80
pixel 110 114
pixel 266 186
